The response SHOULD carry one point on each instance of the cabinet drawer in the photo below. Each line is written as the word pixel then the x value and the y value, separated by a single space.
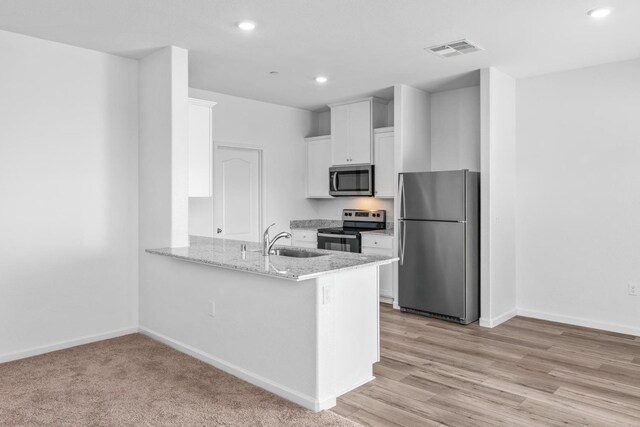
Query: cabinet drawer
pixel 374 241
pixel 305 235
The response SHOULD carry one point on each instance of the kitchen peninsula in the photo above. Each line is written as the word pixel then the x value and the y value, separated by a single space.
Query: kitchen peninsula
pixel 304 327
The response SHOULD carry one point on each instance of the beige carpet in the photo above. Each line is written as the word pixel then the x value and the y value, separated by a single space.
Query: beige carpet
pixel 134 380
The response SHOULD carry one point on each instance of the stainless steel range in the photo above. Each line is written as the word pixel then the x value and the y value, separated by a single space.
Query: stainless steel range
pixel 347 238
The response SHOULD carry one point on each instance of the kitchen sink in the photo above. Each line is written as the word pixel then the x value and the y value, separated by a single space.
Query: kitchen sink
pixel 294 253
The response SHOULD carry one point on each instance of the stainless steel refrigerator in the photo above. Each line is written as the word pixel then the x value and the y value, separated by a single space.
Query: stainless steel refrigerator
pixel 439 244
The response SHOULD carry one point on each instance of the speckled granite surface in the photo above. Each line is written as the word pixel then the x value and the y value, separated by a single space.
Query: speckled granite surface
pixel 387 232
pixel 314 224
pixel 225 253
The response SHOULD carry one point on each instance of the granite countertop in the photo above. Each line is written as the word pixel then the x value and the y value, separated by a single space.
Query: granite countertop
pixel 314 224
pixel 225 253
pixel 387 232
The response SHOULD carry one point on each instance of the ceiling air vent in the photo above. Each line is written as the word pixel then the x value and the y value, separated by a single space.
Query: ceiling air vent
pixel 456 48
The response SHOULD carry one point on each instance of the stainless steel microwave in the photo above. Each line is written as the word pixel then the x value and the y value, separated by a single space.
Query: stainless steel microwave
pixel 354 180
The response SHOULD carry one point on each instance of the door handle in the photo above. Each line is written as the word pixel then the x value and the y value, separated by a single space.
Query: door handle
pixel 402 239
pixel 337 236
pixel 219 230
pixel 401 191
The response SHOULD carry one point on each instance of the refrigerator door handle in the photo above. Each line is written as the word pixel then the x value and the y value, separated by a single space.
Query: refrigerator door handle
pixel 402 200
pixel 402 240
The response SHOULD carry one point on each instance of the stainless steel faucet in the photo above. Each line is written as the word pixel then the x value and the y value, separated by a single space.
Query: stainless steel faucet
pixel 267 245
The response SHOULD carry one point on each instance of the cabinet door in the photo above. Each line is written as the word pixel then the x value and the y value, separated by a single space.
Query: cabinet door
pixel 340 135
pixel 383 159
pixel 318 163
pixel 385 272
pixel 360 132
pixel 200 178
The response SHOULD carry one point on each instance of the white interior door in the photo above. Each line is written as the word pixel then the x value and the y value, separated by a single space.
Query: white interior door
pixel 237 193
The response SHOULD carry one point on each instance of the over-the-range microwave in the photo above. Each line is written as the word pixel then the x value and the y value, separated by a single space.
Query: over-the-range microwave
pixel 356 180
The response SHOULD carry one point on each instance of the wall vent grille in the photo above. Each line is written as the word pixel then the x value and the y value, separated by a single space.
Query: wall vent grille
pixel 456 48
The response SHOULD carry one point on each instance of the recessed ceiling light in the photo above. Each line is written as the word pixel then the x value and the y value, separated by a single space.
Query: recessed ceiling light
pixel 600 12
pixel 246 25
pixel 321 79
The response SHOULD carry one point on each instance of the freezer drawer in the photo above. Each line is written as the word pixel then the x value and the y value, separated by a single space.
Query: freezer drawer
pixel 432 267
pixel 433 195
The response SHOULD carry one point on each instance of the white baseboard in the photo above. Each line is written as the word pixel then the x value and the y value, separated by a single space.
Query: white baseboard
pixel 355 386
pixel 301 399
pixel 577 321
pixel 492 323
pixel 386 300
pixel 35 351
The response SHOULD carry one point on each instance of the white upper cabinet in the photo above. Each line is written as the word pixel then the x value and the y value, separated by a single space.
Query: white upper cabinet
pixel 360 130
pixel 383 155
pixel 318 163
pixel 200 148
pixel 352 130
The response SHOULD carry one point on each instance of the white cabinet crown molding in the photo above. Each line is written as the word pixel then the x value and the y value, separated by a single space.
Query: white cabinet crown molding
pixel 388 129
pixel 202 102
pixel 317 138
pixel 352 101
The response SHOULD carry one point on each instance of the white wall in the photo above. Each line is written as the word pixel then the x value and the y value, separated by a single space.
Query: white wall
pixel 280 132
pixel 412 140
pixel 455 129
pixel 164 150
pixel 578 199
pixel 68 192
pixel 324 123
pixel 332 208
pixel 412 117
pixel 497 190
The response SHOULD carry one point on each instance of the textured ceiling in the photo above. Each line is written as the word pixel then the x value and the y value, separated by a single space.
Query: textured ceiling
pixel 363 46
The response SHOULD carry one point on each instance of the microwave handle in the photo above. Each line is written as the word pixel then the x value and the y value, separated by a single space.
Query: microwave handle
pixel 335 181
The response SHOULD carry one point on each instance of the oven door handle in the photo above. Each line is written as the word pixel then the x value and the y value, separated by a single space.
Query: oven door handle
pixel 337 236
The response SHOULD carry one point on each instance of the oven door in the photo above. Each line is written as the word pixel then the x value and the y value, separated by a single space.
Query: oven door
pixel 351 180
pixel 339 242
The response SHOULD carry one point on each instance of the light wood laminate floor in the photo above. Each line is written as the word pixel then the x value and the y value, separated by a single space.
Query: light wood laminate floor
pixel 523 372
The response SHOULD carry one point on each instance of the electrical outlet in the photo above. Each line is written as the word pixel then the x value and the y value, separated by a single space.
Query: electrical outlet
pixel 326 295
pixel 211 309
pixel 633 289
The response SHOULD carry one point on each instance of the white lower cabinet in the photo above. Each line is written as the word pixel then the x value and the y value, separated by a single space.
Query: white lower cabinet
pixel 304 238
pixel 374 244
